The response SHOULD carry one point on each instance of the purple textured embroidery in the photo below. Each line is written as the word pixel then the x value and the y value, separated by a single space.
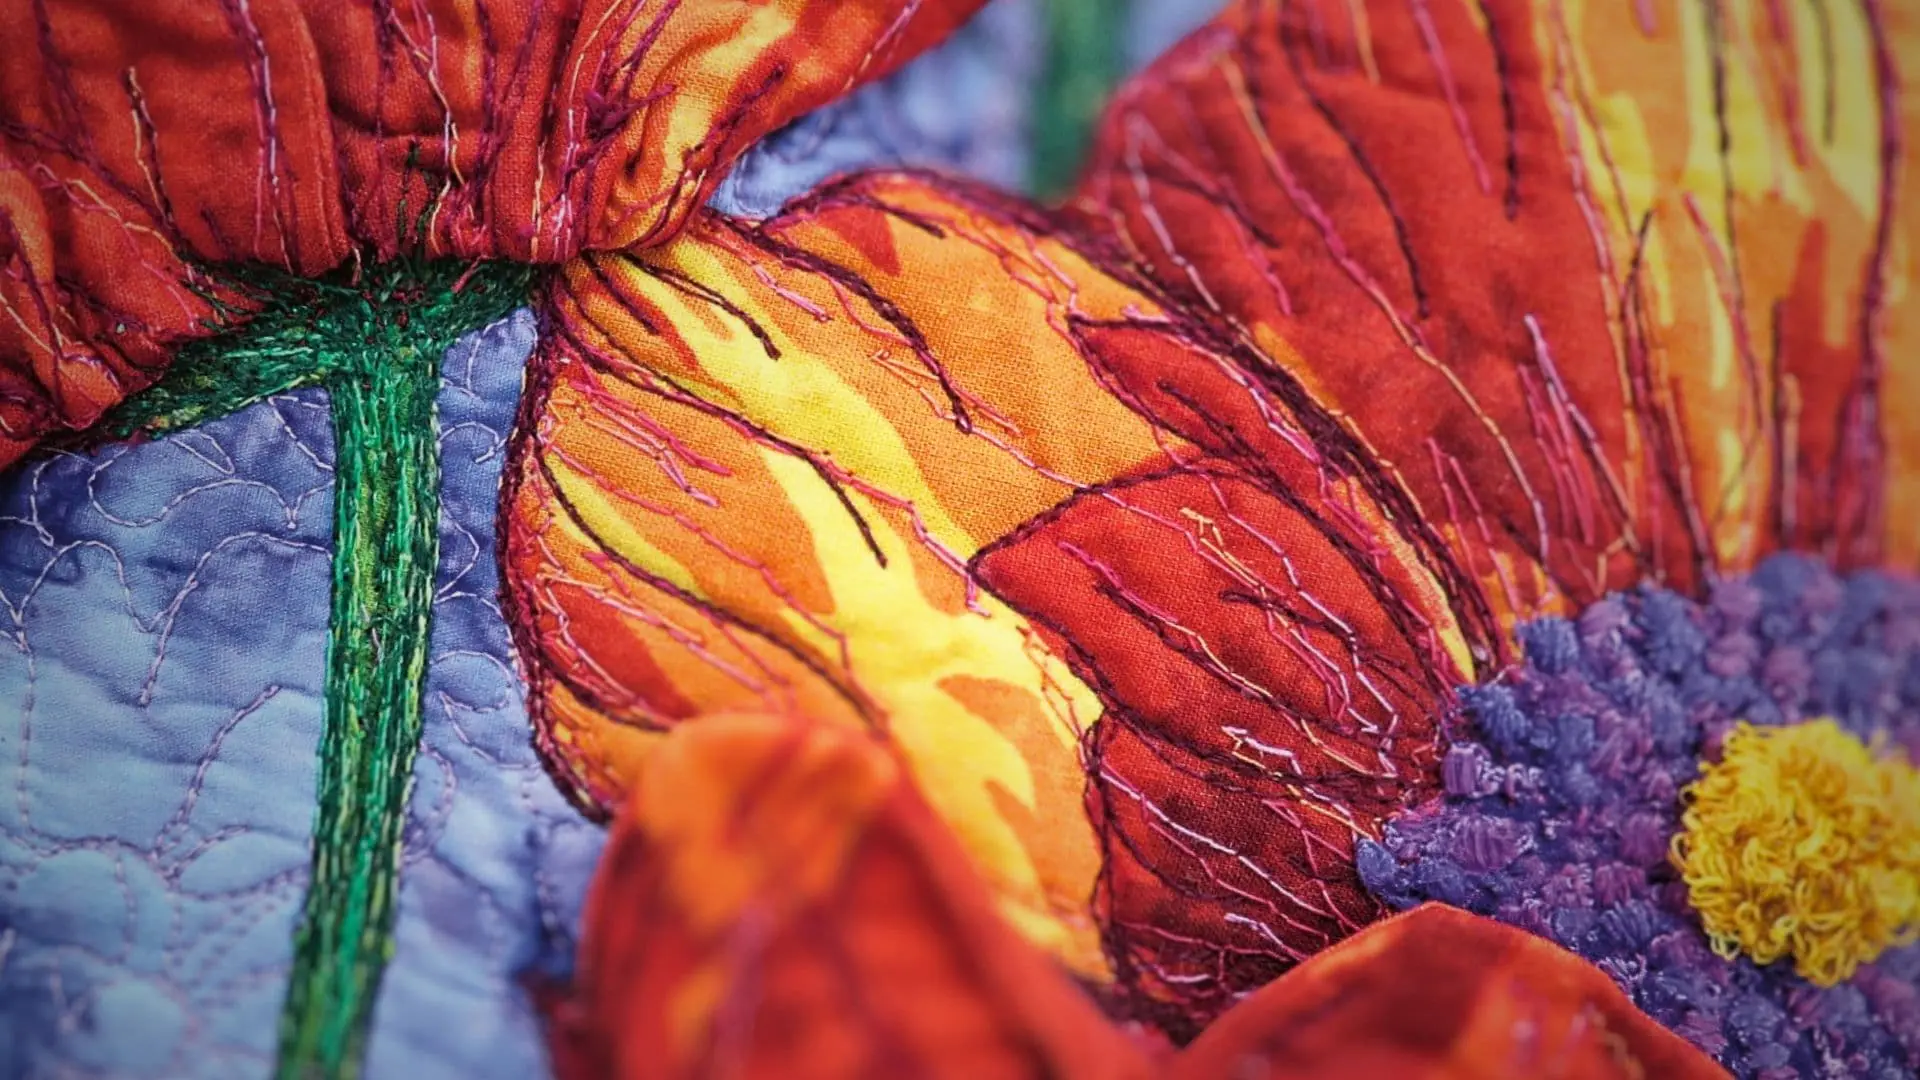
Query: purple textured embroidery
pixel 1562 793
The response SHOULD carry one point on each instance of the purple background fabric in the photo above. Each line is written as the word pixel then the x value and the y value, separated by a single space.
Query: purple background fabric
pixel 162 626
pixel 1154 25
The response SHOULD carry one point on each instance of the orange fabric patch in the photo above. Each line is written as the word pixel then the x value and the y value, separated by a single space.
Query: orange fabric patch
pixel 1439 994
pixel 759 461
pixel 1608 302
pixel 778 902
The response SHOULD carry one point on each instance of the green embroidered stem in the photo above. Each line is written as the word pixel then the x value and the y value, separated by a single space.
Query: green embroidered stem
pixel 1082 66
pixel 374 340
pixel 386 549
pixel 386 546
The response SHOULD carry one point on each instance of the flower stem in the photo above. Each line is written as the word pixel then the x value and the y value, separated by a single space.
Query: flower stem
pixel 386 547
pixel 372 335
pixel 1081 66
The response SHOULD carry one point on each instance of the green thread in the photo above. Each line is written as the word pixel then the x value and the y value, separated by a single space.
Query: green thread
pixel 206 382
pixel 386 525
pixel 1083 64
pixel 374 340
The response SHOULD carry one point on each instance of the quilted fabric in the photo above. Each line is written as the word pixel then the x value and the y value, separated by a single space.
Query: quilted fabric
pixel 183 582
pixel 568 536
pixel 159 729
pixel 495 862
pixel 126 573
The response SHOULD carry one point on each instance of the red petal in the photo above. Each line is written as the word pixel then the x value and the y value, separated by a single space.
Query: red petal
pixel 536 130
pixel 1486 241
pixel 1438 994
pixel 1272 683
pixel 137 140
pixel 777 902
pixel 142 145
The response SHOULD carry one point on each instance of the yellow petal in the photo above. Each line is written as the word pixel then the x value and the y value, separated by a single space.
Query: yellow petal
pixel 760 460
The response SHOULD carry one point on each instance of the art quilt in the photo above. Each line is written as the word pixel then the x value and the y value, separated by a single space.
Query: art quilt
pixel 1068 539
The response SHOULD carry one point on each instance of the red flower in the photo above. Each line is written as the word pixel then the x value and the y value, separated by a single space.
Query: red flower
pixel 1571 316
pixel 147 149
pixel 1414 330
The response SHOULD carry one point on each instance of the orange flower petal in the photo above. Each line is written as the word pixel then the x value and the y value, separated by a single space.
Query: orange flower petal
pixel 1439 994
pixel 1900 313
pixel 1503 253
pixel 757 463
pixel 142 145
pixel 534 131
pixel 1270 629
pixel 1751 157
pixel 135 141
pixel 778 902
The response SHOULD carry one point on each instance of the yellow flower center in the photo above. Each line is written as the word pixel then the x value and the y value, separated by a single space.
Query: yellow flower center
pixel 1803 842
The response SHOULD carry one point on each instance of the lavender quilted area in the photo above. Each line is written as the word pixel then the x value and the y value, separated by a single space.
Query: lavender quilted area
pixel 163 619
pixel 1153 26
pixel 167 617
pixel 962 107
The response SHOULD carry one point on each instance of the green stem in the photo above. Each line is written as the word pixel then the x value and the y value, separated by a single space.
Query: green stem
pixel 1082 66
pixel 373 335
pixel 386 546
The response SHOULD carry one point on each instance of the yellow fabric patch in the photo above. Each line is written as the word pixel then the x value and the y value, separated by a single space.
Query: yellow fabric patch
pixel 1804 842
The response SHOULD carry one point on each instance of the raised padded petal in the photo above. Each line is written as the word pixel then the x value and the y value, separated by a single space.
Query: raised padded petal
pixel 778 902
pixel 146 150
pixel 1634 284
pixel 1439 994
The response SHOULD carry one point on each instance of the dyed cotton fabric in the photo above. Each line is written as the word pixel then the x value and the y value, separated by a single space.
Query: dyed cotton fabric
pixel 617 539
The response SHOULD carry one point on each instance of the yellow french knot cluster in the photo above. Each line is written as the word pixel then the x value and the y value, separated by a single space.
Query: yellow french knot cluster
pixel 1804 842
